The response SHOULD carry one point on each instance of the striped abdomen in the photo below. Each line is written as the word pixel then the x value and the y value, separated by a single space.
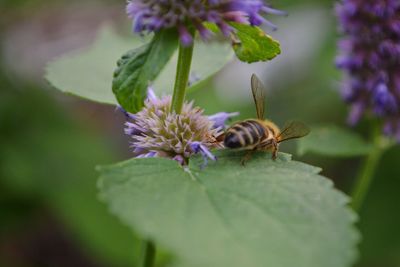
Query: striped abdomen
pixel 248 133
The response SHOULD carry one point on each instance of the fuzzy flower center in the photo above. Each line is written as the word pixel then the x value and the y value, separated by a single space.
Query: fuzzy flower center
pixel 158 132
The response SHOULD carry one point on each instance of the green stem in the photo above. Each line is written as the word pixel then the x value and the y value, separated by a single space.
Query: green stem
pixel 182 75
pixel 368 168
pixel 148 254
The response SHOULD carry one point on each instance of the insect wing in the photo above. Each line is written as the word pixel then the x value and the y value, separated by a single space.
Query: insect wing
pixel 257 88
pixel 293 129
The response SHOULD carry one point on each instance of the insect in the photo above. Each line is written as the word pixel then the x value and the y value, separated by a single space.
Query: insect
pixel 261 134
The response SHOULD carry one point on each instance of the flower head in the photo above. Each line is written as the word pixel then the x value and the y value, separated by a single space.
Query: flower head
pixel 153 15
pixel 158 132
pixel 370 57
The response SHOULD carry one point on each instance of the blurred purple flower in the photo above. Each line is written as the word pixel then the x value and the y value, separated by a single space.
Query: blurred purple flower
pixel 157 132
pixel 153 15
pixel 370 58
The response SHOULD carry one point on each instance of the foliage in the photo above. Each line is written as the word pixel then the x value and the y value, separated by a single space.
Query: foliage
pixel 139 66
pixel 278 213
pixel 88 73
pixel 253 44
pixel 224 215
pixel 230 215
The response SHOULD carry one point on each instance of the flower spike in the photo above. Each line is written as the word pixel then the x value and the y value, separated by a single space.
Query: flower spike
pixel 158 132
pixel 370 57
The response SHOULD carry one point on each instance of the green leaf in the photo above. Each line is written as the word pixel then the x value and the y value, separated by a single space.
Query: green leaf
pixel 253 44
pixel 330 140
pixel 140 66
pixel 88 73
pixel 269 213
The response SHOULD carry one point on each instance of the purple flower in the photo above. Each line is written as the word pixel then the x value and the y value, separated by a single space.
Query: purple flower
pixel 153 15
pixel 158 132
pixel 370 57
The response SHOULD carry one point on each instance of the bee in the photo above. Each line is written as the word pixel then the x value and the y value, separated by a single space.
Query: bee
pixel 261 134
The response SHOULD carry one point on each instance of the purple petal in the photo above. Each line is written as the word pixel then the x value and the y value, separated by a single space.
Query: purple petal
pixel 273 11
pixel 225 28
pixel 127 114
pixel 151 96
pixel 355 113
pixel 198 147
pixel 220 118
pixel 150 154
pixel 384 101
pixel 179 159
pixel 185 36
pixel 132 129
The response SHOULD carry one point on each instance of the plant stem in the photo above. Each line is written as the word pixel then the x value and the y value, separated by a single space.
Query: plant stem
pixel 182 75
pixel 368 168
pixel 148 254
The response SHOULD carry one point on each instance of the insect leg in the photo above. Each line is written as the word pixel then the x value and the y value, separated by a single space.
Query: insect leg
pixel 270 145
pixel 247 157
pixel 274 149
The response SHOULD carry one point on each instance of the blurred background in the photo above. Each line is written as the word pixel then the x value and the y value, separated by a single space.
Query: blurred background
pixel 50 143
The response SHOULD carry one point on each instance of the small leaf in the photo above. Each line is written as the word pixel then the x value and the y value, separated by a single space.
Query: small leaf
pixel 253 44
pixel 331 140
pixel 88 73
pixel 140 66
pixel 269 213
